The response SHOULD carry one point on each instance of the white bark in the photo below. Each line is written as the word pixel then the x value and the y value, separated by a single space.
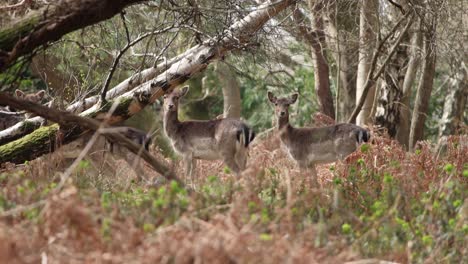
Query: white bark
pixel 455 103
pixel 231 91
pixel 367 40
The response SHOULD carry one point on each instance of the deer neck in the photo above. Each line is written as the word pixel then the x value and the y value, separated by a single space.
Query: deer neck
pixel 283 126
pixel 171 122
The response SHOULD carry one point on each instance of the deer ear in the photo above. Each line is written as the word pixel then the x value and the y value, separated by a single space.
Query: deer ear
pixel 271 97
pixel 41 94
pixel 184 90
pixel 19 93
pixel 293 98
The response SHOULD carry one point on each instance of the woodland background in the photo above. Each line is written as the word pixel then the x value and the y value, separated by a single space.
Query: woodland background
pixel 395 66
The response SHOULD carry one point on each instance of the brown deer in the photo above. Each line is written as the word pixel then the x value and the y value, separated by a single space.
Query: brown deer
pixel 312 145
pixel 32 97
pixel 225 138
pixel 10 116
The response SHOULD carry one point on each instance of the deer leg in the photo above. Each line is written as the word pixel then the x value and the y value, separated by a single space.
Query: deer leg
pixel 314 174
pixel 306 168
pixel 188 159
pixel 241 159
pixel 231 163
pixel 134 162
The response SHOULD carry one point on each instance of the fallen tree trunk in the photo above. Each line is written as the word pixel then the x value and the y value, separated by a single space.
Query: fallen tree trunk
pixel 52 22
pixel 194 61
pixel 50 137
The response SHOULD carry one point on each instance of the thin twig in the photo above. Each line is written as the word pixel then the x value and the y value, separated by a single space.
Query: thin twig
pixel 121 53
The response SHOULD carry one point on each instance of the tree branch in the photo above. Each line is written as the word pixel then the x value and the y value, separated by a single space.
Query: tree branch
pixel 51 22
pixel 66 119
pixel 130 44
pixel 371 77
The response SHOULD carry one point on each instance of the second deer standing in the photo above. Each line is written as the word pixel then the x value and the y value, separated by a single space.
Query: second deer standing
pixel 312 145
pixel 227 139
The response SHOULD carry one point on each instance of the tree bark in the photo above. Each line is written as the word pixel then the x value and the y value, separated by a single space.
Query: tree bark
pixel 404 122
pixel 426 83
pixel 194 61
pixel 51 22
pixel 367 39
pixel 231 91
pixel 342 54
pixel 341 35
pixel 321 69
pixel 455 103
pixel 315 38
pixel 390 89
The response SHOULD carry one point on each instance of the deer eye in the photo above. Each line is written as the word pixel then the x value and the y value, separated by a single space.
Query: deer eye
pixel 165 96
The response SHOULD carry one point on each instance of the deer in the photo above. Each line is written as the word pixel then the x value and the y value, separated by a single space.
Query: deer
pixel 31 97
pixel 10 116
pixel 102 145
pixel 309 146
pixel 224 139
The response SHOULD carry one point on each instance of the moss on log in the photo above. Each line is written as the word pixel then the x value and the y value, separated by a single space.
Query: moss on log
pixel 14 151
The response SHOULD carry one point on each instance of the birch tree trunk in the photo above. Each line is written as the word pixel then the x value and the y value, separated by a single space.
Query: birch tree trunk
pixel 129 103
pixel 231 91
pixel 367 39
pixel 426 83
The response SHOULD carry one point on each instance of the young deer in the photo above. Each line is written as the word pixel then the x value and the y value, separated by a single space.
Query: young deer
pixel 9 116
pixel 226 138
pixel 310 146
pixel 32 97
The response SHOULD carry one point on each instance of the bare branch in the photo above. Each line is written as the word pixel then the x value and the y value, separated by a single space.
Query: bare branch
pixel 68 119
pixel 371 77
pixel 121 53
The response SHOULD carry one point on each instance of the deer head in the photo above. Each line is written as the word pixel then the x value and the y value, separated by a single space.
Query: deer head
pixel 282 104
pixel 171 100
pixel 32 97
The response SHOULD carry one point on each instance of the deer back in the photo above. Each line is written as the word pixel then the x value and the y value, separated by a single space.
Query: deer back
pixel 323 144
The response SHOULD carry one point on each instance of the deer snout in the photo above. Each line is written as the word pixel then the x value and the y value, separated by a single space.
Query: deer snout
pixel 170 106
pixel 282 113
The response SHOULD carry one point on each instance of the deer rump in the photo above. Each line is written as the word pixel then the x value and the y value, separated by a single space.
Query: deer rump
pixel 212 139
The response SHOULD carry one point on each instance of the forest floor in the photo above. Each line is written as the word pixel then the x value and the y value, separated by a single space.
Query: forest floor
pixel 380 203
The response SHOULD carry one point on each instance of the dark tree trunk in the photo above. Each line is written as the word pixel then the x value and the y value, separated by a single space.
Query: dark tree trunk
pixel 426 83
pixel 410 75
pixel 391 91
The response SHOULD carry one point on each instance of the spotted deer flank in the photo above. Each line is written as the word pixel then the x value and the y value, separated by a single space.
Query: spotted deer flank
pixel 224 139
pixel 309 146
